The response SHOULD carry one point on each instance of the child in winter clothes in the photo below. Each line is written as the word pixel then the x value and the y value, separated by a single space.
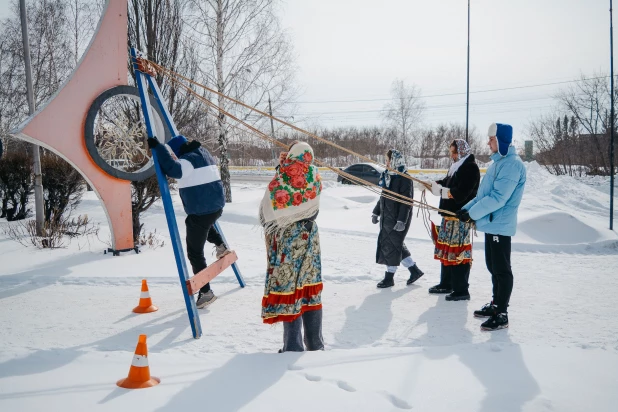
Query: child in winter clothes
pixel 201 192
pixel 395 219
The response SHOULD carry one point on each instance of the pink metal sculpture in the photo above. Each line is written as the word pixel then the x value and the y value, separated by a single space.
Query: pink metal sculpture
pixel 58 125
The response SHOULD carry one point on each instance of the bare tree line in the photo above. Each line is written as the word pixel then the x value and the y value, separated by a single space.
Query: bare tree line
pixel 575 139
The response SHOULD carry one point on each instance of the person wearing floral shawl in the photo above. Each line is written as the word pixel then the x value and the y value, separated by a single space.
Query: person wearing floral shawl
pixel 293 288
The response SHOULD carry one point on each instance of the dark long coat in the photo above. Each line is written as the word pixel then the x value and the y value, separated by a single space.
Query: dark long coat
pixel 391 247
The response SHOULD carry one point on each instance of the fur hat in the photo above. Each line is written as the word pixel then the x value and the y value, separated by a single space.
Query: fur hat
pixel 504 135
pixel 175 144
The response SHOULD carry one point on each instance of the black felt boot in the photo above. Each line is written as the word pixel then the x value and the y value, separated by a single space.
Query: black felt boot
pixel 415 274
pixel 388 281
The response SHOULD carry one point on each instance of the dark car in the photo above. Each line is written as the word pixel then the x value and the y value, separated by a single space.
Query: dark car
pixel 366 171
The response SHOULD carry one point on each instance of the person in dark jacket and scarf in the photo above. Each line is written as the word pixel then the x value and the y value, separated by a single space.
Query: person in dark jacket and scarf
pixel 201 192
pixel 395 219
pixel 453 246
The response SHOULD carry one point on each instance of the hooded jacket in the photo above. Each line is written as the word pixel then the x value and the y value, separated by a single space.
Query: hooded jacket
pixel 197 174
pixel 496 203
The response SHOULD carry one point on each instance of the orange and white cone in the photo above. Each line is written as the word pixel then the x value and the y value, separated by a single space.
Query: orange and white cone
pixel 139 373
pixel 145 303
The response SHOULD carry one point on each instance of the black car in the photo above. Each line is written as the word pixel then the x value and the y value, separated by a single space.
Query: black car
pixel 366 171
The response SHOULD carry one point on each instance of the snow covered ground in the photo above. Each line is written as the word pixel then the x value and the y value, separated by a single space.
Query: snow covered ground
pixel 68 333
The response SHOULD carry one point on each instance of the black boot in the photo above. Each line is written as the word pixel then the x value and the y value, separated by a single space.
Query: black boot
pixel 415 274
pixel 459 279
pixel 445 285
pixel 454 296
pixel 388 281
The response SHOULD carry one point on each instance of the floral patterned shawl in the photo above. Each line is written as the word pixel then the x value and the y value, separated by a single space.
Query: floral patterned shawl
pixel 294 192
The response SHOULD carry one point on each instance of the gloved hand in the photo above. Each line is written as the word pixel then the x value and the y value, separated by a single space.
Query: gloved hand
pixel 399 226
pixel 436 189
pixel 153 142
pixel 374 219
pixel 464 216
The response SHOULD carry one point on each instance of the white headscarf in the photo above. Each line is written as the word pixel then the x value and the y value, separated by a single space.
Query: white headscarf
pixel 463 151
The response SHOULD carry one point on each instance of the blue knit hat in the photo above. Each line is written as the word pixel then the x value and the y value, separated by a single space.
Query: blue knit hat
pixel 504 135
pixel 175 144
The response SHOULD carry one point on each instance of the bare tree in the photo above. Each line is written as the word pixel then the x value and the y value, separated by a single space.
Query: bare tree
pixel 404 113
pixel 246 55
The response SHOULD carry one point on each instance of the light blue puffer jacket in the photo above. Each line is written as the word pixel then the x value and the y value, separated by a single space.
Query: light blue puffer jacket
pixel 495 206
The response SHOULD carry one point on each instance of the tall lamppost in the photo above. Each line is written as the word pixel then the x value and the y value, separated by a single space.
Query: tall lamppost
pixel 468 76
pixel 612 121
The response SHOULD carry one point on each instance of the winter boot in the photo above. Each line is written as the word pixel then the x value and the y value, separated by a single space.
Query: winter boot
pixel 415 274
pixel 205 299
pixel 486 311
pixel 388 281
pixel 496 322
pixel 440 289
pixel 454 296
pixel 221 251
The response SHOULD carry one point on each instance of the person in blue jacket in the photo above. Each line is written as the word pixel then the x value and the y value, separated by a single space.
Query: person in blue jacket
pixel 494 209
pixel 201 192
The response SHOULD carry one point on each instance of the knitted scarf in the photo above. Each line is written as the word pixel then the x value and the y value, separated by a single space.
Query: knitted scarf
pixel 294 192
pixel 397 163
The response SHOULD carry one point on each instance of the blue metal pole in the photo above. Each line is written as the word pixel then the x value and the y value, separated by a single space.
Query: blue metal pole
pixel 194 317
pixel 239 277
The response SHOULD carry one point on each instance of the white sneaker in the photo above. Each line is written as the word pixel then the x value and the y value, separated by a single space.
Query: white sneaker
pixel 205 299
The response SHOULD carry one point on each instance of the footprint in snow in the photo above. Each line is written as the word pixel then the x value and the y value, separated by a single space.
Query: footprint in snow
pixel 346 386
pixel 295 367
pixel 397 402
pixel 313 378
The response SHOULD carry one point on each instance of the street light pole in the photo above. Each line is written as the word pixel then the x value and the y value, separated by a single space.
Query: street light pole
pixel 612 121
pixel 36 157
pixel 468 76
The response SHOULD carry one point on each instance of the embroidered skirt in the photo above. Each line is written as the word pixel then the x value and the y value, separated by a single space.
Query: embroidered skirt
pixel 294 274
pixel 452 242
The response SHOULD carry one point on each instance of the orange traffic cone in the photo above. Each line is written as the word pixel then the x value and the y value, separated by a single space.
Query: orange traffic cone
pixel 139 373
pixel 145 303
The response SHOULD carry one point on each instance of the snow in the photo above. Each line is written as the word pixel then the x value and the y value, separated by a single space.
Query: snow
pixel 68 333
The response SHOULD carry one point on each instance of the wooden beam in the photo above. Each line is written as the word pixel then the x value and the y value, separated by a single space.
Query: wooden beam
pixel 206 275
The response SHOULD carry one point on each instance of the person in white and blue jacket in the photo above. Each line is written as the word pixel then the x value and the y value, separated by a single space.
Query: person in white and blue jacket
pixel 201 192
pixel 494 209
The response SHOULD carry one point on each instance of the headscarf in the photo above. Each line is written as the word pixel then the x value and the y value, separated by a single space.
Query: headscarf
pixel 294 192
pixel 463 150
pixel 398 163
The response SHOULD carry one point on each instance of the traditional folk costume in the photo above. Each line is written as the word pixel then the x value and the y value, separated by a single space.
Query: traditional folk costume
pixel 293 288
pixel 453 246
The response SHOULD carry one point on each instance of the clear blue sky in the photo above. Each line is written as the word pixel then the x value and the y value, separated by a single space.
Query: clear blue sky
pixel 354 49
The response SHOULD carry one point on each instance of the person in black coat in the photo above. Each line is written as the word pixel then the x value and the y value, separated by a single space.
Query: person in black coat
pixel 395 219
pixel 453 246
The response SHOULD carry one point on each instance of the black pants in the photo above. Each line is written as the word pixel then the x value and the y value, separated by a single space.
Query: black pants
pixel 498 260
pixel 199 229
pixel 460 275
